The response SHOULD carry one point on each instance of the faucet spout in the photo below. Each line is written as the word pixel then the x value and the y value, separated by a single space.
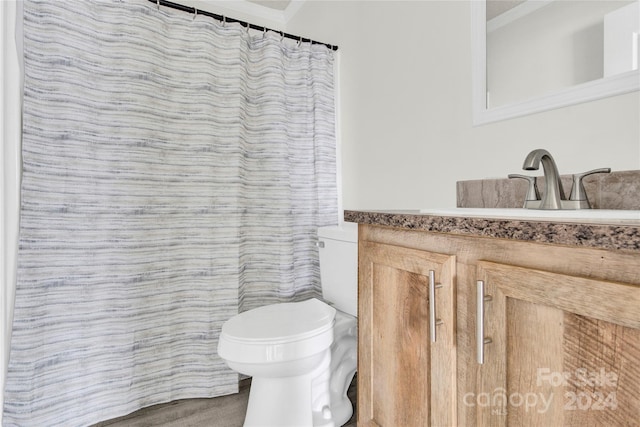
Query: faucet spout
pixel 553 191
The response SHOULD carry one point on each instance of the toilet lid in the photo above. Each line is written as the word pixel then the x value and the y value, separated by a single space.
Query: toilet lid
pixel 280 323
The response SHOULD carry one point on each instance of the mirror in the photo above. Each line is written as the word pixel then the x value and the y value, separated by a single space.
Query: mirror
pixel 544 54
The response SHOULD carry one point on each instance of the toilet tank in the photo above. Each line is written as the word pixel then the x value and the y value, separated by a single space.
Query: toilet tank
pixel 338 247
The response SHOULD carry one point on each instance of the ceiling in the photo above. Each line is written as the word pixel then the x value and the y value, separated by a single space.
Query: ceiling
pixel 273 4
pixel 497 7
pixel 494 7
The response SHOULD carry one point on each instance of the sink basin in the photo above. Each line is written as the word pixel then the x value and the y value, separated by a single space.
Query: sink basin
pixel 594 216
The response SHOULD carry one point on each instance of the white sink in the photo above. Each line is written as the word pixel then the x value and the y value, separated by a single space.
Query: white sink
pixel 595 216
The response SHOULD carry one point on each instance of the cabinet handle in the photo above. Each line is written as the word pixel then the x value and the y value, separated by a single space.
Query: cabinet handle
pixel 481 340
pixel 433 322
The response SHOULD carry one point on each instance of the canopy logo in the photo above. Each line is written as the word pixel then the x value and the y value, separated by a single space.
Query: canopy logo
pixel 584 390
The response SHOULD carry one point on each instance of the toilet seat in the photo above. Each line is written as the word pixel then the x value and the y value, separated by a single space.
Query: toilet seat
pixel 278 332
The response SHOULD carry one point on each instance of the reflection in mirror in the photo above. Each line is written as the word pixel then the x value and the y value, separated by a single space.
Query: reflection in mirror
pixel 544 54
pixel 555 45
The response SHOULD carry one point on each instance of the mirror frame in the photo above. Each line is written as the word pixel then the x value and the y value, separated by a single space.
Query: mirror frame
pixel 584 92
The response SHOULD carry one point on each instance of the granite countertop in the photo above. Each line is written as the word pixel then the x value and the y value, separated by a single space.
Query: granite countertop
pixel 606 236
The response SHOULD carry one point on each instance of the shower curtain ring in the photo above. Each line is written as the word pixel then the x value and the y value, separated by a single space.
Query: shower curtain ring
pixel 299 41
pixel 158 4
pixel 195 13
pixel 224 20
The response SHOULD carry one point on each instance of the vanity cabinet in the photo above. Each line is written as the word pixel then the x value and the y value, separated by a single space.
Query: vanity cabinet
pixel 406 337
pixel 564 350
pixel 561 325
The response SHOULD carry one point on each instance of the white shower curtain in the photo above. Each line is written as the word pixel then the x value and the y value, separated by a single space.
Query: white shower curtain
pixel 175 172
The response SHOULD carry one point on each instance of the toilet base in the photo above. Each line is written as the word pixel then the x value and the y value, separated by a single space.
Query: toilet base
pixel 344 361
pixel 296 401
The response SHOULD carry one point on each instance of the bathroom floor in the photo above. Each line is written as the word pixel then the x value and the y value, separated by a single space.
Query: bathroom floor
pixel 225 411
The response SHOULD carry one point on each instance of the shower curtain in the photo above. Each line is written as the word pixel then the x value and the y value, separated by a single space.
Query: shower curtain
pixel 175 171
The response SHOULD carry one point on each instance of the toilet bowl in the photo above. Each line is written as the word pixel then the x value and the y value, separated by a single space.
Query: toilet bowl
pixel 301 356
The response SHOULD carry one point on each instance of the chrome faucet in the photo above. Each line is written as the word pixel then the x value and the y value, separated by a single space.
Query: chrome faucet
pixel 553 191
pixel 553 196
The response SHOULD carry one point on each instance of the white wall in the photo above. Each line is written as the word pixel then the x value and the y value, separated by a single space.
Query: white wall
pixel 405 107
pixel 9 177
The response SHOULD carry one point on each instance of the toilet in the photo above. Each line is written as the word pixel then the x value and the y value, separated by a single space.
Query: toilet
pixel 302 356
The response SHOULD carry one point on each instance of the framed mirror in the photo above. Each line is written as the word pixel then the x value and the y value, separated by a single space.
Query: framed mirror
pixel 545 54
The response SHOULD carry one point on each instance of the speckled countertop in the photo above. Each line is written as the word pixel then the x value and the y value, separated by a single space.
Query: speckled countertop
pixel 606 236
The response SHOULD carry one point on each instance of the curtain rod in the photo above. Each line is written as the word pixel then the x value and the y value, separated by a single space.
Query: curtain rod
pixel 223 18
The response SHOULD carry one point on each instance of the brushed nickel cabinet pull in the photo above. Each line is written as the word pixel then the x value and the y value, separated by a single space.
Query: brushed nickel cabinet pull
pixel 481 340
pixel 433 322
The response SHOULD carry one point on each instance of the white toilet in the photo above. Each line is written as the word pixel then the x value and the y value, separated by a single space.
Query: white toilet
pixel 302 355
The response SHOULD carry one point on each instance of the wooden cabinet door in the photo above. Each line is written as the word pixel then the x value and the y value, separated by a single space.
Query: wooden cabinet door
pixel 564 350
pixel 405 379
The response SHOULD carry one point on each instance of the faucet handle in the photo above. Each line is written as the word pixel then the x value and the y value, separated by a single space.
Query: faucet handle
pixel 577 190
pixel 532 191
